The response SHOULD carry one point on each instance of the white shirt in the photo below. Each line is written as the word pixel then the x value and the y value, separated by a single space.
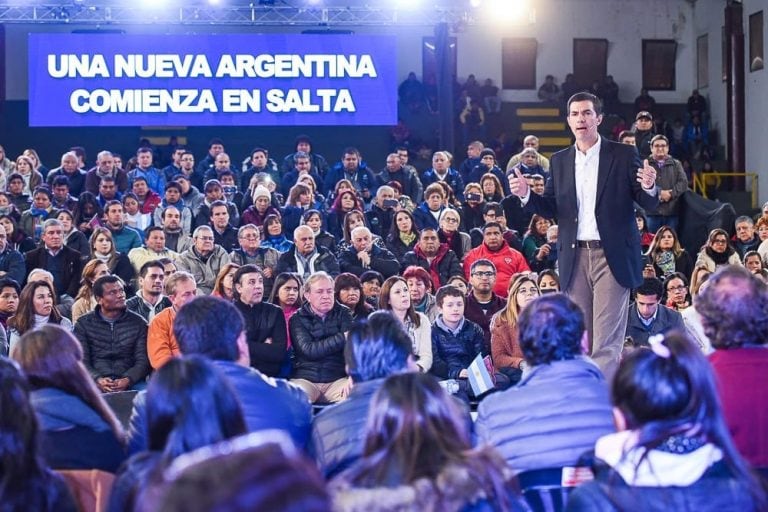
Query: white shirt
pixel 586 167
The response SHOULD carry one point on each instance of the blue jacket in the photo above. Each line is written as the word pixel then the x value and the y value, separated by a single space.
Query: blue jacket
pixel 424 219
pixel 267 404
pixel 362 179
pixel 452 178
pixel 12 263
pixel 155 178
pixel 665 320
pixel 554 415
pixel 451 352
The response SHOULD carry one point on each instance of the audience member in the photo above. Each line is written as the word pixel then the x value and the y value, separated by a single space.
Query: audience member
pixel 213 328
pixel 204 259
pixel 436 258
pixel 114 339
pixel 78 429
pixel 175 238
pixel 37 307
pixel 188 404
pixel 549 92
pixel 11 260
pixel 746 238
pixel 669 418
pixel 224 287
pixel 305 257
pixel 85 301
pixel 64 263
pixel 672 183
pixel 125 237
pixel 561 406
pixel 149 299
pixel 418 456
pixel 676 292
pixel 396 298
pixel 162 344
pixel 265 330
pixel 348 291
pixel 504 344
pixel 667 256
pixel 73 237
pixel 494 248
pixel 717 252
pixel 376 348
pixel 286 294
pixel 364 255
pixel 28 483
pixel 482 302
pixel 420 285
pixel 103 248
pixel 647 316
pixel 154 249
pixel 403 235
pixel 734 313
pixel 318 331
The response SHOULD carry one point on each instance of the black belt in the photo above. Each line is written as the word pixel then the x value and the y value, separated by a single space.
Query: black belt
pixel 589 244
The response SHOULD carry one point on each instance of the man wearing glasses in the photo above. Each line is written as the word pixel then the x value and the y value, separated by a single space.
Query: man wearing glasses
pixel 647 316
pixel 672 183
pixel 482 303
pixel 204 259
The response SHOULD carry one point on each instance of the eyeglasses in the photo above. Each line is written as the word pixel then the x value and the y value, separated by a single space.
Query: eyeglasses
pixel 528 291
pixel 720 241
pixel 250 237
pixel 205 238
pixel 676 288
pixel 451 220
pixel 659 146
pixel 480 273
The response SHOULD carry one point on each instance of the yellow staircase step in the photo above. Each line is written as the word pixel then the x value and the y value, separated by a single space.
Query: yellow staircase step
pixel 538 112
pixel 547 154
pixel 553 127
pixel 554 141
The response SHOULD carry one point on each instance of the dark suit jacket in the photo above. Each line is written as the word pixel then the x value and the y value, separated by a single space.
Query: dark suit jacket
pixel 617 190
pixel 38 258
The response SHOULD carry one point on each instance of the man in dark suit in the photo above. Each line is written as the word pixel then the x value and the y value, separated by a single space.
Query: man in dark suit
pixel 591 191
pixel 57 258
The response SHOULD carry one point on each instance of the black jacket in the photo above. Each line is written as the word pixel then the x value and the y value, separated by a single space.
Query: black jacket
pixel 382 261
pixel 338 431
pixel 264 321
pixel 114 350
pixel 325 261
pixel 448 266
pixel 139 306
pixel 70 281
pixel 318 344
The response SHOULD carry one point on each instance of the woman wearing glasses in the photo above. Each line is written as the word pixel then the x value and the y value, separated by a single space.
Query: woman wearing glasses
pixel 717 251
pixel 505 348
pixel 449 233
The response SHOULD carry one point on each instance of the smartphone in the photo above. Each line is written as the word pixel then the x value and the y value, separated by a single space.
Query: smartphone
pixel 390 203
pixel 474 197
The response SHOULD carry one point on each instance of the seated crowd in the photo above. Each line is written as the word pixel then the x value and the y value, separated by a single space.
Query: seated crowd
pixel 395 302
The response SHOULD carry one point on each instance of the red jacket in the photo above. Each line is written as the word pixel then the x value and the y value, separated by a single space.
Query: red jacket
pixel 151 201
pixel 508 262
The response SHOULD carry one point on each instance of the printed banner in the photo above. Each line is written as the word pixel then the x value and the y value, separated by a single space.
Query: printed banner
pixel 211 80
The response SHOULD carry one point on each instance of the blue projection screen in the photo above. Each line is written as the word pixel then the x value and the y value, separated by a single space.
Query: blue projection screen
pixel 194 80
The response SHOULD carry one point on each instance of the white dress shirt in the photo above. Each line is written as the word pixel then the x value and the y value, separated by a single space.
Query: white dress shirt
pixel 586 166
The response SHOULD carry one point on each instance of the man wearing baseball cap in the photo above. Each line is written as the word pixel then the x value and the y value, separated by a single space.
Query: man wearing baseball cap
pixel 644 133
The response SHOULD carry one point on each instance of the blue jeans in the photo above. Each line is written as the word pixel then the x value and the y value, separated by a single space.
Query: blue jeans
pixel 656 221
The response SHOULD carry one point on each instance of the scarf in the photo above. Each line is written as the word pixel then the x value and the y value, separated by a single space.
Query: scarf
pixel 434 274
pixel 720 258
pixel 665 260
pixel 407 238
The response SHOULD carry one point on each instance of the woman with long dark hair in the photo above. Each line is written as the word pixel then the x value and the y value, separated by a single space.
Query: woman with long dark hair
pixel 673 446
pixel 396 298
pixel 189 405
pixel 349 291
pixel 286 294
pixel 88 213
pixel 274 236
pixel 37 307
pixel 26 483
pixel 78 429
pixel 418 456
pixel 17 239
pixel 534 242
pixel 314 219
pixel 403 235
pixel 344 203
